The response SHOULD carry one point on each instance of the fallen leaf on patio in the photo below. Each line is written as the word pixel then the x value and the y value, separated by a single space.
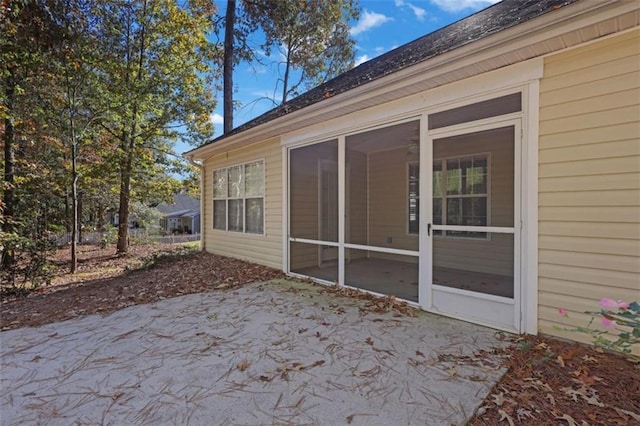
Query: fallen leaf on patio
pixel 351 417
pixel 538 384
pixel 419 353
pixel 243 365
pixel 505 416
pixel 523 414
pixel 571 392
pixel 265 378
pixel 551 399
pixel 588 358
pixel 498 399
pixel 369 341
pixel 594 401
pixel 316 364
pixel 560 361
pixel 367 373
pixel 568 419
pixel 628 413
pixel 568 354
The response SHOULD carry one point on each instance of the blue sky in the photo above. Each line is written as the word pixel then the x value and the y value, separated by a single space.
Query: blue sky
pixel 383 26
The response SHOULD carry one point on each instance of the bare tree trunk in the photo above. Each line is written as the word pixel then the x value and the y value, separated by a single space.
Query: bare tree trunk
pixel 9 166
pixel 80 207
pixel 230 20
pixel 125 195
pixel 100 214
pixel 286 75
pixel 74 202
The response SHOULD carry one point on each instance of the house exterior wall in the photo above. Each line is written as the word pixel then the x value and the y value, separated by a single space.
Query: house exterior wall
pixel 589 181
pixel 262 249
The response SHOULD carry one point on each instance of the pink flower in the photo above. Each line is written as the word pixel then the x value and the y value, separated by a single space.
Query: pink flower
pixel 563 312
pixel 612 304
pixel 606 322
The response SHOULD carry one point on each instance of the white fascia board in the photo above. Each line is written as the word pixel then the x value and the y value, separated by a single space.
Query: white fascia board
pixel 411 107
pixel 553 24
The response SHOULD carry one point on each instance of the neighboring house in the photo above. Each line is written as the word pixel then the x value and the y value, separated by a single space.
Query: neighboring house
pixel 489 171
pixel 181 216
pixel 113 219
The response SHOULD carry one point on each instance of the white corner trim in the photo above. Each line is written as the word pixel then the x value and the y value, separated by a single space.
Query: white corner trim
pixel 529 322
pixel 285 209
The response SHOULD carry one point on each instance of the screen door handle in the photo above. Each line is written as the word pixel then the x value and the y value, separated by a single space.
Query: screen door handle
pixel 429 229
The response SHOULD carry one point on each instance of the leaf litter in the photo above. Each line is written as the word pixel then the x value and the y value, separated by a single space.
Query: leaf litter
pixel 549 381
pixel 555 382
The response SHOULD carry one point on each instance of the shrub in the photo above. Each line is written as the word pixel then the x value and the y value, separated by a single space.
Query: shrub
pixel 621 322
pixel 28 267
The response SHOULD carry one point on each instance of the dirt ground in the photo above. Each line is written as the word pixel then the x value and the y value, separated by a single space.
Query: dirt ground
pixel 548 381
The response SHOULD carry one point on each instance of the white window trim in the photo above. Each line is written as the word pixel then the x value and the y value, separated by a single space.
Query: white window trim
pixel 408 227
pixel 243 198
pixel 443 160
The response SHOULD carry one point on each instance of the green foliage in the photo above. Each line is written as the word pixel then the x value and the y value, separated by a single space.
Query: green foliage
pixel 147 218
pixel 30 267
pixel 108 236
pixel 620 322
pixel 157 81
pixel 94 94
pixel 312 37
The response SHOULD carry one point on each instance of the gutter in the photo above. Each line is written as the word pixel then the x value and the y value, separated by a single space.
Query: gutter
pixel 200 167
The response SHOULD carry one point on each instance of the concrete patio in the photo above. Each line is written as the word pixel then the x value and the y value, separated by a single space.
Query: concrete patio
pixel 280 352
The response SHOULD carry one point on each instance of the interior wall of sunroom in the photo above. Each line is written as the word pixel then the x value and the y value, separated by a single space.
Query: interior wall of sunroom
pixel 492 254
pixel 389 200
pixel 313 210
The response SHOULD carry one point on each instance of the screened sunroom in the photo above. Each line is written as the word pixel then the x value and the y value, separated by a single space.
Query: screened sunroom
pixel 354 207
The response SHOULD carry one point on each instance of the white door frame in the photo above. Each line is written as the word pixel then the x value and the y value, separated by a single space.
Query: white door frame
pixel 494 311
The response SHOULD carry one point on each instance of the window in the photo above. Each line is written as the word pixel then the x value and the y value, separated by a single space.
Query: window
pixel 414 198
pixel 460 194
pixel 238 198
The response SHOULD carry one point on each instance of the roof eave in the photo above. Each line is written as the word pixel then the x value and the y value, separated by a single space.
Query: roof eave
pixel 528 33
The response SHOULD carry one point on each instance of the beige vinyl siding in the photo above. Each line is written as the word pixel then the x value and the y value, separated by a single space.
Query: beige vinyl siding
pixel 263 249
pixel 589 181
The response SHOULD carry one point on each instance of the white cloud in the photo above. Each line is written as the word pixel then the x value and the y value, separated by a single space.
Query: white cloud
pixel 369 20
pixel 459 5
pixel 217 118
pixel 399 3
pixel 418 11
pixel 361 59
